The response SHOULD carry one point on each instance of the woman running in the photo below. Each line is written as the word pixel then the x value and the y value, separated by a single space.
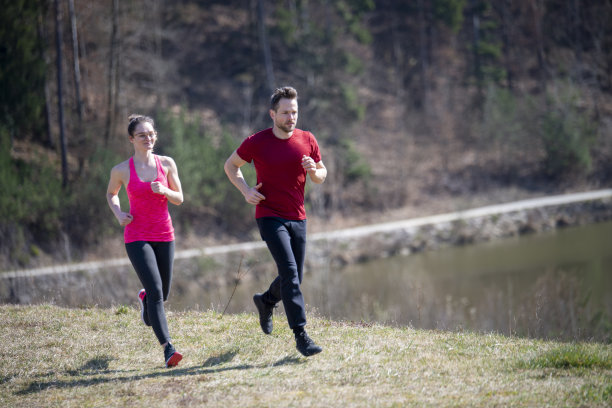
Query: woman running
pixel 151 181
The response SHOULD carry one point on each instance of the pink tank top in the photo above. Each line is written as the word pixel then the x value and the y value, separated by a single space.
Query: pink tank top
pixel 152 220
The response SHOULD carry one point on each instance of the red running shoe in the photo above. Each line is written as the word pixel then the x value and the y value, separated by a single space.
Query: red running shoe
pixel 172 356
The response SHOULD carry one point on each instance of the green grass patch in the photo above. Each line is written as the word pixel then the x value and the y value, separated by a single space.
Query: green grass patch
pixel 571 356
pixel 96 357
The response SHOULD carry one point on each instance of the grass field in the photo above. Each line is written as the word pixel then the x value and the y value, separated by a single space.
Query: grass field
pixel 98 357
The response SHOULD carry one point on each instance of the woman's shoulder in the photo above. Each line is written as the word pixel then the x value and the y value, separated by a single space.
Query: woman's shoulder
pixel 121 172
pixel 166 161
pixel 123 166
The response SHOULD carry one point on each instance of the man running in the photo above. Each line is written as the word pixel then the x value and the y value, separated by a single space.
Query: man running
pixel 282 155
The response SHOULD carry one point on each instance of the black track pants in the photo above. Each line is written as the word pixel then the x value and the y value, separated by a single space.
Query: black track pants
pixel 286 241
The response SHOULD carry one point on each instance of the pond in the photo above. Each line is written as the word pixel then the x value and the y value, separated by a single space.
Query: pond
pixel 556 284
pixel 548 285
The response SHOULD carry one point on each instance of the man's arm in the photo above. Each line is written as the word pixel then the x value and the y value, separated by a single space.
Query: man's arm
pixel 234 174
pixel 316 171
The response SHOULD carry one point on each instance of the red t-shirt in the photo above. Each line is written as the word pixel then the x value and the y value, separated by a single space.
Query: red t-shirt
pixel 278 164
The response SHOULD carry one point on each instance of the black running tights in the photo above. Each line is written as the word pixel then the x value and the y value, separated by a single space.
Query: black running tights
pixel 153 264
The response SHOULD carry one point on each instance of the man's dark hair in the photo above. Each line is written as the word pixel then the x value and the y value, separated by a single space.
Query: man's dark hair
pixel 279 93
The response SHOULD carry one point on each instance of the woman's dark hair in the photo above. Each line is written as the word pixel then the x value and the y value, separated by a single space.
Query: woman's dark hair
pixel 279 93
pixel 135 119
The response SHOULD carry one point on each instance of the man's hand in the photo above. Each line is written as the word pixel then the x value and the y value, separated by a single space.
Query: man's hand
pixel 253 196
pixel 316 171
pixel 309 164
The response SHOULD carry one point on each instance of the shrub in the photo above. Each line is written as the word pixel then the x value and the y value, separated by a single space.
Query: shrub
pixel 31 203
pixel 200 156
pixel 552 129
pixel 568 135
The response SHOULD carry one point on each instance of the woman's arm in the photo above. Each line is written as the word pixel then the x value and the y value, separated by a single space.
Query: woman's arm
pixel 117 179
pixel 174 191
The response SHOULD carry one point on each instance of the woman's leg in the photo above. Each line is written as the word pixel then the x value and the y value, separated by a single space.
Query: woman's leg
pixel 144 261
pixel 164 253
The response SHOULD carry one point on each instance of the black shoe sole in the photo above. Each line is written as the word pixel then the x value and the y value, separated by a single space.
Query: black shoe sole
pixel 310 353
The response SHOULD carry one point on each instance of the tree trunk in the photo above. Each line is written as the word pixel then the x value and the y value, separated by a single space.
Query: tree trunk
pixel 505 13
pixel 157 13
pixel 575 16
pixel 112 73
pixel 75 58
pixel 476 52
pixel 83 68
pixel 42 33
pixel 60 87
pixel 538 12
pixel 265 44
pixel 423 55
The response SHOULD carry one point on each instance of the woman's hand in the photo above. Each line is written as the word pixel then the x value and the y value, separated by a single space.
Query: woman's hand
pixel 158 188
pixel 124 218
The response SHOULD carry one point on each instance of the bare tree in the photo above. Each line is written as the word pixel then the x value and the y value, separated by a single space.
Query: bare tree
pixel 599 35
pixel 43 35
pixel 265 44
pixel 476 50
pixel 160 7
pixel 60 91
pixel 504 10
pixel 538 9
pixel 112 72
pixel 75 57
pixel 576 29
pixel 423 54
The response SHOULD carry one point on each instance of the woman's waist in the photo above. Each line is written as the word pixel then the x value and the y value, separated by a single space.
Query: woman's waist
pixel 148 227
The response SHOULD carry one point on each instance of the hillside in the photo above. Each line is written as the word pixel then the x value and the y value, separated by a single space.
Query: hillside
pixel 106 357
pixel 419 107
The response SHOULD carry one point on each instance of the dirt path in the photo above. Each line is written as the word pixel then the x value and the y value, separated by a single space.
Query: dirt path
pixel 338 234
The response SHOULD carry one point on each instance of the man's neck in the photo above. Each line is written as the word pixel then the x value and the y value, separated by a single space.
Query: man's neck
pixel 281 134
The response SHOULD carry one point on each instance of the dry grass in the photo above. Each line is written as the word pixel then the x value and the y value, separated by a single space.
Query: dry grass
pixel 97 357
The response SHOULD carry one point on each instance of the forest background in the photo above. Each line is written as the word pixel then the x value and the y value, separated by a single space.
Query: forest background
pixel 419 107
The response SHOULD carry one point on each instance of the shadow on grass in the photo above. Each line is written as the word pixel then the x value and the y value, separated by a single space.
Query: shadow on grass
pixel 96 372
pixel 97 365
pixel 5 379
pixel 220 359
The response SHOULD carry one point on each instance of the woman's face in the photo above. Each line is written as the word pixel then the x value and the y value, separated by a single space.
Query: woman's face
pixel 144 136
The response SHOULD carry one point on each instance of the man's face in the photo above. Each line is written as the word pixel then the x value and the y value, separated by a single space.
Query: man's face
pixel 285 117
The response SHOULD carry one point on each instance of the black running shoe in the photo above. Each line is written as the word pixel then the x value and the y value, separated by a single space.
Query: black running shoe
pixel 265 313
pixel 144 314
pixel 171 356
pixel 305 345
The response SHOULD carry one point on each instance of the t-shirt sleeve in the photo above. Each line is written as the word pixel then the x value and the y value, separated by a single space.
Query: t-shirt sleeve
pixel 315 154
pixel 245 150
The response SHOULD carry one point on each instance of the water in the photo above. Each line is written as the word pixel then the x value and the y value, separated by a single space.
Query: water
pixel 550 285
pixel 557 284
